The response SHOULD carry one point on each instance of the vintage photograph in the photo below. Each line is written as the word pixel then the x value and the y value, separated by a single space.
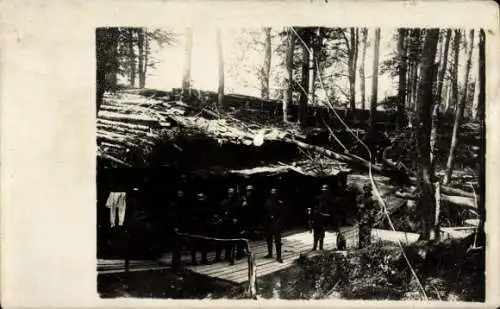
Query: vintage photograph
pixel 291 163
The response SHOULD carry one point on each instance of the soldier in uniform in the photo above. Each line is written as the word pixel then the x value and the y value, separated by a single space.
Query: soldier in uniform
pixel 247 217
pixel 174 221
pixel 321 214
pixel 199 215
pixel 366 215
pixel 230 217
pixel 274 221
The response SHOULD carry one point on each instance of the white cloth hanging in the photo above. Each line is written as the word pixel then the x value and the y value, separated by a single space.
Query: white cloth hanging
pixel 117 201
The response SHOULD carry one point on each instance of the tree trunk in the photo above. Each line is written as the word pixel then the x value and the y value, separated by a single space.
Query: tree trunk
pixel 310 85
pixel 362 79
pixel 304 82
pixel 131 56
pixel 266 68
pixel 458 114
pixel 374 96
pixel 140 45
pixel 424 111
pixel 444 66
pixel 435 120
pixel 454 80
pixel 402 78
pixel 106 62
pixel 482 148
pixel 146 55
pixel 186 75
pixel 416 58
pixel 287 102
pixel 353 56
pixel 220 57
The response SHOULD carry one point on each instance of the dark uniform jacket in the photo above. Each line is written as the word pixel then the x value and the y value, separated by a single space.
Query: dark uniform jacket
pixel 248 212
pixel 367 210
pixel 176 215
pixel 274 214
pixel 230 214
pixel 322 210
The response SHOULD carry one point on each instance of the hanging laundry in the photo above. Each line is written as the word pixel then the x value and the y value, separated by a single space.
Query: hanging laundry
pixel 117 201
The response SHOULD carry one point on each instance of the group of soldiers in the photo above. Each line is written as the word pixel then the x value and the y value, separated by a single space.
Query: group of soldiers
pixel 224 228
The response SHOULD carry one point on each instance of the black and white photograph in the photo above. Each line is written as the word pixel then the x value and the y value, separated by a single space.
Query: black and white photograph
pixel 291 163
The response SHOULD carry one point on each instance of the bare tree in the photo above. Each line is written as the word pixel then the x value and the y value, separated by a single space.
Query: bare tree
pixel 141 40
pixel 374 96
pixel 402 68
pixel 480 114
pixel 459 113
pixel 186 76
pixel 352 49
pixel 287 102
pixel 444 65
pixel 220 58
pixel 424 111
pixel 454 78
pixel 131 56
pixel 266 68
pixel 362 80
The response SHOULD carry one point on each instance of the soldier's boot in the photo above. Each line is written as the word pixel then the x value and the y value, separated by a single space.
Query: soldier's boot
pixel 269 249
pixel 278 252
pixel 321 243
pixel 315 240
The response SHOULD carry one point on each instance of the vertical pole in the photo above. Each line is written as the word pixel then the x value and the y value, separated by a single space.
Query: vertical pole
pixel 252 269
pixel 127 265
pixel 437 196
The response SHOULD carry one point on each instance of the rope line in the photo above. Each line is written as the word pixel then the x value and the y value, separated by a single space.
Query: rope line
pixel 370 174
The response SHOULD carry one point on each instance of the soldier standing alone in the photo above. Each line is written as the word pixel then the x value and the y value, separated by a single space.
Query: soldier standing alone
pixel 320 216
pixel 274 220
pixel 366 216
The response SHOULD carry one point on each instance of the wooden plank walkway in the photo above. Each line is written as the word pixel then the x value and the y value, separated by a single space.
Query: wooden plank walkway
pixel 293 245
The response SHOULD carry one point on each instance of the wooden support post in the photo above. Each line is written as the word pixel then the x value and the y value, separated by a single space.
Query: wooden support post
pixel 437 196
pixel 127 265
pixel 252 268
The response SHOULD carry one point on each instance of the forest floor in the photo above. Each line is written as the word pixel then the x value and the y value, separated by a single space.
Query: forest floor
pixel 448 271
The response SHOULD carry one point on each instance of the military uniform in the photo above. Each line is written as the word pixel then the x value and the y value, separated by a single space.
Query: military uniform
pixel 229 209
pixel 174 221
pixel 274 222
pixel 200 214
pixel 247 220
pixel 366 216
pixel 321 214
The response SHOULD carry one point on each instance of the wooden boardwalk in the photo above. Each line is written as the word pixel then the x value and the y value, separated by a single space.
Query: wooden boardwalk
pixel 293 246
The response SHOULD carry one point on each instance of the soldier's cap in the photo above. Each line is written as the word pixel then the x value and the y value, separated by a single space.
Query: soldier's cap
pixel 249 187
pixel 274 190
pixel 230 190
pixel 180 192
pixel 324 187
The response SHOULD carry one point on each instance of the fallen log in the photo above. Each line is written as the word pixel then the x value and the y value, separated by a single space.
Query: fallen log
pixel 341 157
pixel 452 199
pixel 448 190
pixel 128 118
pixel 122 124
